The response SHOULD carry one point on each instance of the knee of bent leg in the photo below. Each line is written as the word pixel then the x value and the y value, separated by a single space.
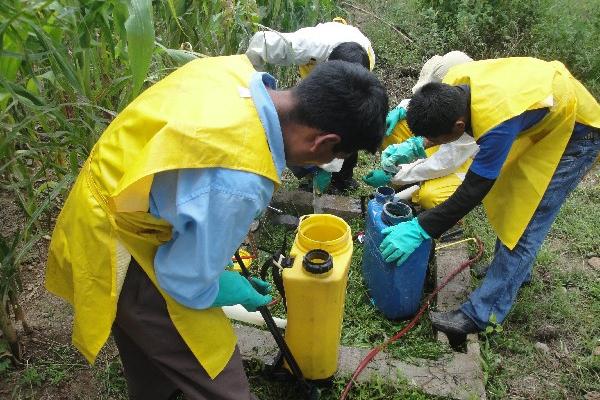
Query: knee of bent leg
pixel 426 197
pixel 430 195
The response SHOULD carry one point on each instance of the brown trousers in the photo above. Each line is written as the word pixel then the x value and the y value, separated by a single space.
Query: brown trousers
pixel 158 364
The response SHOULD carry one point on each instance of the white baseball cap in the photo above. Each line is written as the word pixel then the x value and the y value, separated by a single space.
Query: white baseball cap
pixel 436 68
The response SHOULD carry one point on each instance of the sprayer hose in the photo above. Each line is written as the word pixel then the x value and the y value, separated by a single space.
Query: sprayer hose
pixel 369 357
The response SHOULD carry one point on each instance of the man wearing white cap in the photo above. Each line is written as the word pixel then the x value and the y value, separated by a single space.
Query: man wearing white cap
pixel 436 68
pixel 436 171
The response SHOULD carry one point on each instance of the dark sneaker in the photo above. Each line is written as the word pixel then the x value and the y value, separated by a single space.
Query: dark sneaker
pixel 455 324
pixel 306 185
pixel 344 186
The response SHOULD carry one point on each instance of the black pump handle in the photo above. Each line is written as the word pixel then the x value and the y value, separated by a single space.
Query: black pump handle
pixel 285 350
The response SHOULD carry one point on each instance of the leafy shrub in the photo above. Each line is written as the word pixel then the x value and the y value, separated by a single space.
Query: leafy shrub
pixel 484 29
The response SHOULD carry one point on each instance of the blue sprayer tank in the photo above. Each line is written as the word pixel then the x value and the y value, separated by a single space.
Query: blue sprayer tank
pixel 395 290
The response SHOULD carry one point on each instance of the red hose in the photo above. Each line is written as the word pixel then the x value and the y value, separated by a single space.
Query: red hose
pixel 362 365
pixel 275 301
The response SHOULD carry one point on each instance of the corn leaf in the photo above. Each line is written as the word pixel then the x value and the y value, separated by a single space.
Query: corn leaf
pixel 61 62
pixel 180 57
pixel 8 65
pixel 140 40
pixel 173 10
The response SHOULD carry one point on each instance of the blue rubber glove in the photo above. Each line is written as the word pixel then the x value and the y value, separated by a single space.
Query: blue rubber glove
pixel 403 153
pixel 377 177
pixel 397 114
pixel 235 289
pixel 321 181
pixel 401 240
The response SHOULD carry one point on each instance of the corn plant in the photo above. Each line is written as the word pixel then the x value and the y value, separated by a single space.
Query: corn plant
pixel 67 67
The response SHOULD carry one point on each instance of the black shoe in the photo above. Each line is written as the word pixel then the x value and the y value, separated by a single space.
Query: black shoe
pixel 455 324
pixel 306 185
pixel 345 186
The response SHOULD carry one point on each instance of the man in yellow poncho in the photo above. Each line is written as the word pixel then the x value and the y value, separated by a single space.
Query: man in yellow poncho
pixel 168 194
pixel 433 174
pixel 537 130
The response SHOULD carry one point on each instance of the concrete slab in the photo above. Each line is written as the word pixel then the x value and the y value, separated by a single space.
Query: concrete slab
pixel 450 298
pixel 458 289
pixel 300 202
pixel 454 376
pixel 458 376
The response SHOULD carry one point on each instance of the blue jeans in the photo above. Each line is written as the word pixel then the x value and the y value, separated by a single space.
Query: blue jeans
pixel 510 268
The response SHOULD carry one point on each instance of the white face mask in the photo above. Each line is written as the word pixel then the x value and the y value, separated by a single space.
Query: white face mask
pixel 334 165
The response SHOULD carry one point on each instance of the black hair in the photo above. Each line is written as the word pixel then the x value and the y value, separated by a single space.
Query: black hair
pixel 434 109
pixel 351 52
pixel 346 99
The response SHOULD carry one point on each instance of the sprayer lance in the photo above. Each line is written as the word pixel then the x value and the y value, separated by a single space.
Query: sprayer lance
pixel 310 390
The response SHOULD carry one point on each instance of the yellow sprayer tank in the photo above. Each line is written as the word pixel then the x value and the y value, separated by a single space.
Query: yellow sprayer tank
pixel 315 293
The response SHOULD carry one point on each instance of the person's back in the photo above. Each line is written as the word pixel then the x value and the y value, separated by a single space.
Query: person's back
pixel 538 132
pixel 305 47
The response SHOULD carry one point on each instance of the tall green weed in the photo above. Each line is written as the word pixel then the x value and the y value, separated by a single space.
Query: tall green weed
pixel 484 29
pixel 569 31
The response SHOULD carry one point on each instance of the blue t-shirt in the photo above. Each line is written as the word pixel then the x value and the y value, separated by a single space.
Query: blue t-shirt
pixel 496 143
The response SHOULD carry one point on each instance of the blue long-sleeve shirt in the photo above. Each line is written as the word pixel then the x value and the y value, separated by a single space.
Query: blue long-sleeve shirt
pixel 211 210
pixel 494 147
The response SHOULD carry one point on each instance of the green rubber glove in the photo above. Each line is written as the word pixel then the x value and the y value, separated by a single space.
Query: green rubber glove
pixel 377 177
pixel 395 115
pixel 321 181
pixel 403 153
pixel 235 289
pixel 401 240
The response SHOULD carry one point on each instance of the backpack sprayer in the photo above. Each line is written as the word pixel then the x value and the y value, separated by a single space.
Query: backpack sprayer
pixel 311 391
pixel 312 283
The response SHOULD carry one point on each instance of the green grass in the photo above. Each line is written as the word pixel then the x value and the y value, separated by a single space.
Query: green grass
pixel 109 375
pixel 578 223
pixel 560 308
pixel 55 366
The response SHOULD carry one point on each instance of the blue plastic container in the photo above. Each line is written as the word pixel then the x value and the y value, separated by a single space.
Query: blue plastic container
pixel 395 290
